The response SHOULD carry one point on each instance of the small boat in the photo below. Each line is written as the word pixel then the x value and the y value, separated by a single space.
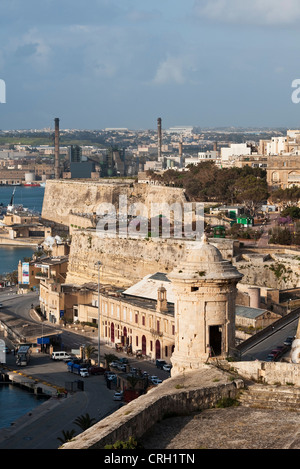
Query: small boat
pixel 31 184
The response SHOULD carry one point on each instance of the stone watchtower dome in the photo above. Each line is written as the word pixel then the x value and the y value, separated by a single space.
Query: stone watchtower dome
pixel 204 286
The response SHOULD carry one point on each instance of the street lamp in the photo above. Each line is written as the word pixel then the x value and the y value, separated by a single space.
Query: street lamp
pixel 98 263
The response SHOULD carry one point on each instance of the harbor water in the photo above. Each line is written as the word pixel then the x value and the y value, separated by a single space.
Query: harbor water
pixel 32 199
pixel 14 401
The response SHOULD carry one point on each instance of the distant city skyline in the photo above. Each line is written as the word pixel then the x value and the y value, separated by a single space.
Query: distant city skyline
pixel 124 63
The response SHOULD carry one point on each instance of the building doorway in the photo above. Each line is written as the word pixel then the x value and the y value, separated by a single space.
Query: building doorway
pixel 112 332
pixel 157 350
pixel 144 346
pixel 215 340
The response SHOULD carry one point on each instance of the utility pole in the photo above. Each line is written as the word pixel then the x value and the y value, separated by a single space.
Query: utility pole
pixel 98 263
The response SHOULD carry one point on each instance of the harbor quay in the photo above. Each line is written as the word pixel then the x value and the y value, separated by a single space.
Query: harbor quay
pixel 41 428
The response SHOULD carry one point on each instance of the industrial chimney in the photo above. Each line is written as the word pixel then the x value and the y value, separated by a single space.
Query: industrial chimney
pixel 56 149
pixel 180 155
pixel 159 138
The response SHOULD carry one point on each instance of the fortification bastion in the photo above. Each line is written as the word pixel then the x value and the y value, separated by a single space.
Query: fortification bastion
pixel 62 197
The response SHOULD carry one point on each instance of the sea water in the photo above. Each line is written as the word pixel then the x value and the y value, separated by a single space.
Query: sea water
pixel 16 402
pixel 31 198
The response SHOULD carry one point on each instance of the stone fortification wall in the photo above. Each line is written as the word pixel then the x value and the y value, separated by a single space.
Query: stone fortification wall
pixel 180 395
pixel 63 196
pixel 124 261
pixel 269 372
pixel 273 270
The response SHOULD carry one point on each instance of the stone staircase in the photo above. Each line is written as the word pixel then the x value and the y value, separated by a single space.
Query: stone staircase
pixel 260 396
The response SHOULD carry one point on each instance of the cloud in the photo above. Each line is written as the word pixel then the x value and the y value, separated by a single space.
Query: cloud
pixel 175 70
pixel 260 12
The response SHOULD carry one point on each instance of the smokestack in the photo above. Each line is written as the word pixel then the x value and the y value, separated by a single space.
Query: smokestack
pixel 56 149
pixel 180 155
pixel 159 138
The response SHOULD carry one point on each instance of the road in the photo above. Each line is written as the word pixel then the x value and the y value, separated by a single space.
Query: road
pixel 47 422
pixel 261 350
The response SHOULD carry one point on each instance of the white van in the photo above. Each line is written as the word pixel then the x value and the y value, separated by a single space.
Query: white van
pixel 60 356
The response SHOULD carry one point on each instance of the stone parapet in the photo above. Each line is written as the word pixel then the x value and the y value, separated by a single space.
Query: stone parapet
pixel 180 395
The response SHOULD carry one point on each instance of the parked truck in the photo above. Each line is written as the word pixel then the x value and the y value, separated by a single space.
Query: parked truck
pixel 78 369
pixel 23 355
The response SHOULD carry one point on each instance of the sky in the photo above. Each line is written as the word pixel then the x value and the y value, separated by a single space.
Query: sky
pixel 124 63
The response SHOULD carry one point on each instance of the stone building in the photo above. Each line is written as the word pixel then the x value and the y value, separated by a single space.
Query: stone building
pixel 140 319
pixel 204 286
pixel 283 171
pixel 185 313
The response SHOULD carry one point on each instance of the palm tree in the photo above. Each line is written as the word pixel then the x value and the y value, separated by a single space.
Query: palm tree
pixel 67 436
pixel 84 421
pixel 89 350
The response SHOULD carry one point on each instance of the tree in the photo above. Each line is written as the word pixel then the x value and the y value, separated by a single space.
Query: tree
pixel 89 350
pixel 250 191
pixel 67 436
pixel 293 212
pixel 84 421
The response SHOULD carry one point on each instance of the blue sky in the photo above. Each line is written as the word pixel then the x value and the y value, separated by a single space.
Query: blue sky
pixel 123 63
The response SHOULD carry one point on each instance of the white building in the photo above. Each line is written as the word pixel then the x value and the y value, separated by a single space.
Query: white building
pixel 202 156
pixel 235 149
pixel 277 145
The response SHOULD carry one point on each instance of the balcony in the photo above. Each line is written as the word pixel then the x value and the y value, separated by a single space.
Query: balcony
pixel 156 333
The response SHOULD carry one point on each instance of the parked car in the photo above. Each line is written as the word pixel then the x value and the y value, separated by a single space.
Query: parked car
pixel 124 360
pixel 84 372
pixel 156 381
pixel 61 356
pixel 122 367
pixel 1 305
pixel 96 370
pixel 160 363
pixel 118 396
pixel 288 341
pixel 276 352
pixel 153 378
pixel 111 377
pixel 270 358
pixel 167 367
pixel 114 364
pixel 282 348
